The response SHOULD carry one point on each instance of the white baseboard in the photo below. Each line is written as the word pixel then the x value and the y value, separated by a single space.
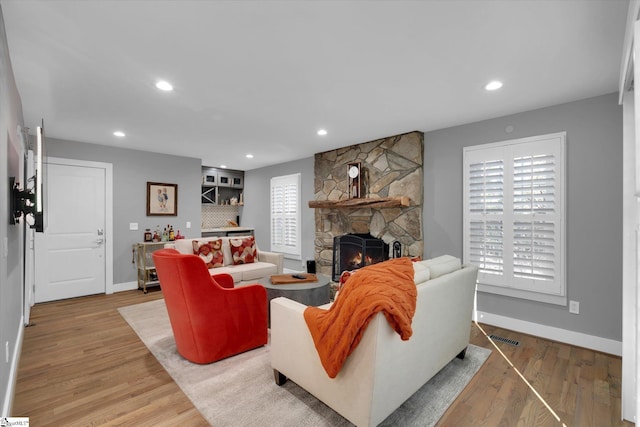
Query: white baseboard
pixel 579 339
pixel 7 403
pixel 127 286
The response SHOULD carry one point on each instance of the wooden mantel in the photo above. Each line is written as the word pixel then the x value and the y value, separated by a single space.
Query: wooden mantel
pixel 383 202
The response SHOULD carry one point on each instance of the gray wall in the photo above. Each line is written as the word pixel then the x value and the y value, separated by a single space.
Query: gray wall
pixel 11 263
pixel 131 171
pixel 594 208
pixel 255 212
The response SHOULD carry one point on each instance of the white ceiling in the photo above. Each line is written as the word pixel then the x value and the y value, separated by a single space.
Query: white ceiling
pixel 261 77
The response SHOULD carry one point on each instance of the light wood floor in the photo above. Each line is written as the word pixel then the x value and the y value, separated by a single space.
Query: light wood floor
pixel 82 365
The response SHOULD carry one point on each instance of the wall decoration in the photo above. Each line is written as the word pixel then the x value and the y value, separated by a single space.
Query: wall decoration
pixel 354 172
pixel 162 199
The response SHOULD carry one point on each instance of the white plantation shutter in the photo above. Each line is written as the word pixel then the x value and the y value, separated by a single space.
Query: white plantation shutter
pixel 486 207
pixel 514 216
pixel 285 215
pixel 486 187
pixel 486 247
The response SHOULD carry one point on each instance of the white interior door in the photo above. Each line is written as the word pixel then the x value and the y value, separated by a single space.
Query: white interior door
pixel 70 254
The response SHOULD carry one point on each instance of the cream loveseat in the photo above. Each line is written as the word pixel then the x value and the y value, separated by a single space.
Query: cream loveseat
pixel 265 263
pixel 383 371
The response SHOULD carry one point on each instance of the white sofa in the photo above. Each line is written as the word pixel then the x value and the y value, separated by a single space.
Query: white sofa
pixel 265 264
pixel 383 371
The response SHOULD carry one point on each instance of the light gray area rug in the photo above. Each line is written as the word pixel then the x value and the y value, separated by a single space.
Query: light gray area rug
pixel 240 390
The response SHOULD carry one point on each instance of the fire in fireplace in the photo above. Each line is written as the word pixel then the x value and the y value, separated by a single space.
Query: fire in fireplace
pixel 353 251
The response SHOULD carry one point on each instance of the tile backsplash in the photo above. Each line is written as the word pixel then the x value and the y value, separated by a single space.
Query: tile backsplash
pixel 214 216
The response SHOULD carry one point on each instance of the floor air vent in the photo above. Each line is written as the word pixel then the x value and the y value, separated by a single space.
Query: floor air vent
pixel 505 340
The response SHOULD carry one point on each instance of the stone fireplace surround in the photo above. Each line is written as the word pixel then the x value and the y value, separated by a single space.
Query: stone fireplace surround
pixel 392 167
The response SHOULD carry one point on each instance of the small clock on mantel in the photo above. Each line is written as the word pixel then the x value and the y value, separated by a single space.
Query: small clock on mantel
pixel 354 172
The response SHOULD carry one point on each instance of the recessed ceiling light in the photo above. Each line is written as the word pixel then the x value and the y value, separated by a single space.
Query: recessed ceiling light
pixel 322 132
pixel 493 85
pixel 249 156
pixel 119 134
pixel 164 85
pixel 223 166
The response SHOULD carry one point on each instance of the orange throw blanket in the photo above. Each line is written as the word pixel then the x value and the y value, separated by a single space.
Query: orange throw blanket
pixel 386 287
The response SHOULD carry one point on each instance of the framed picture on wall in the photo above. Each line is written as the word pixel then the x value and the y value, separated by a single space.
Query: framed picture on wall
pixel 162 199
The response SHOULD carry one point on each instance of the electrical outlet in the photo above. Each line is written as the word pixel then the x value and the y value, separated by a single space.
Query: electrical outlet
pixel 133 226
pixel 188 224
pixel 574 307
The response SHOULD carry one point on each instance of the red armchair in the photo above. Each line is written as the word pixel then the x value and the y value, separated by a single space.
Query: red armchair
pixel 209 321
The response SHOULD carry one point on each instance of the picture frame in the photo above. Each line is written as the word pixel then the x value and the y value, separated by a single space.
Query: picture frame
pixel 162 199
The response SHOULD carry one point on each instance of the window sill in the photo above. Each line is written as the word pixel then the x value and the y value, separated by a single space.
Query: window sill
pixel 527 295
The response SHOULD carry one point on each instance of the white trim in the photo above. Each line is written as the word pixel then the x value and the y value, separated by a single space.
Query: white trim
pixel 7 403
pixel 506 283
pixel 578 339
pixel 523 294
pixel 279 181
pixel 126 286
pixel 626 67
pixel 562 135
pixel 108 214
pixel 630 239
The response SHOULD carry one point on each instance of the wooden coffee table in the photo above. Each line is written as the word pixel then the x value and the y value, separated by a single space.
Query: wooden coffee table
pixel 309 293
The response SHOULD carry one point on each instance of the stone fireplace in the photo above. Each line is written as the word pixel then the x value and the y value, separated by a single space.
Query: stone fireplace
pixel 390 208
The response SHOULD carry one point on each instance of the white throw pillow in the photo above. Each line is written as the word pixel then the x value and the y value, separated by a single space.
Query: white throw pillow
pixel 445 266
pixel 421 272
pixel 438 260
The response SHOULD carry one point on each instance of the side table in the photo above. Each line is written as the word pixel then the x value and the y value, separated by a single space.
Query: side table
pixel 147 275
pixel 308 293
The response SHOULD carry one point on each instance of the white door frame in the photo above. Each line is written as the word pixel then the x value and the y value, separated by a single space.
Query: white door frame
pixel 108 214
pixel 628 98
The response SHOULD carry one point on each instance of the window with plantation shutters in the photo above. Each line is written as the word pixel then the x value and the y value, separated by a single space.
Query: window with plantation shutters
pixel 514 216
pixel 285 215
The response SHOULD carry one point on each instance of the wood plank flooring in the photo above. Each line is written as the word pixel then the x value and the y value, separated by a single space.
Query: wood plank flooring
pixel 82 365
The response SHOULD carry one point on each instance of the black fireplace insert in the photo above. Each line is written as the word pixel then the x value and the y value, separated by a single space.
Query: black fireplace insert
pixel 353 251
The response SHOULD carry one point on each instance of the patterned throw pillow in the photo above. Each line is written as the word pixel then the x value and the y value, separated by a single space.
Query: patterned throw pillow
pixel 243 250
pixel 210 251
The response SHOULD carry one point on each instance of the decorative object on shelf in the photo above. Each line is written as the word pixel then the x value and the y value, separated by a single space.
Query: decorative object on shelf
pixel 397 249
pixel 162 199
pixel 354 171
pixel 311 266
pixel 148 237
